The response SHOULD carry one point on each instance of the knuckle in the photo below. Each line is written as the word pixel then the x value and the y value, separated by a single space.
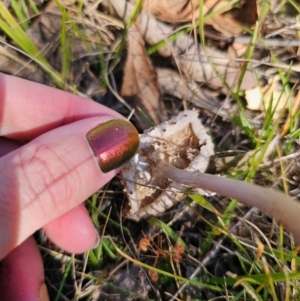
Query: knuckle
pixel 45 174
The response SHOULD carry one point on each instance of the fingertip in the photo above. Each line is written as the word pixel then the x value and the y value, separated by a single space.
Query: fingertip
pixel 26 113
pixel 53 174
pixel 22 274
pixel 74 231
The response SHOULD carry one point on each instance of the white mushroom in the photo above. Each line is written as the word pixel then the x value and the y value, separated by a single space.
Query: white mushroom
pixel 183 142
pixel 175 154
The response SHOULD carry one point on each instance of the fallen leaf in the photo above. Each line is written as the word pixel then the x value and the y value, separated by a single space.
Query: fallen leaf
pixel 294 111
pixel 12 63
pixel 46 32
pixel 229 21
pixel 172 11
pixel 139 86
pixel 179 11
pixel 272 95
pixel 196 63
pixel 233 22
pixel 247 14
pixel 172 83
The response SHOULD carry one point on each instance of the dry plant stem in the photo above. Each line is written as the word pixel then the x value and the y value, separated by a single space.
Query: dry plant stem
pixel 283 209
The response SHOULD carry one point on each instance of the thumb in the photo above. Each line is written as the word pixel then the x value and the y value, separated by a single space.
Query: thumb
pixel 57 171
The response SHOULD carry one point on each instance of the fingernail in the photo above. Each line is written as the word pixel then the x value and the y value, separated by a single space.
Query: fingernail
pixel 43 293
pixel 114 143
pixel 97 240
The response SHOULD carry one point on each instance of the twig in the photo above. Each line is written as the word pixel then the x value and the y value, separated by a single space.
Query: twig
pixel 263 43
pixel 283 159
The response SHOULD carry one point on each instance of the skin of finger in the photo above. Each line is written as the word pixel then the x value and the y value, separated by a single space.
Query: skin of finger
pixel 29 109
pixel 73 232
pixel 48 177
pixel 22 273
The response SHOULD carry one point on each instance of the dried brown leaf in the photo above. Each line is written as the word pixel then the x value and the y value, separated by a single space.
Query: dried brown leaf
pixel 226 25
pixel 45 30
pixel 194 62
pixel 45 33
pixel 230 21
pixel 172 11
pixel 139 85
pixel 179 11
pixel 12 63
pixel 295 110
pixel 230 24
pixel 213 67
pixel 172 83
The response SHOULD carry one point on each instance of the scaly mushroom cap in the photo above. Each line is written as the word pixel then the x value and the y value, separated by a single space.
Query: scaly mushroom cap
pixel 182 142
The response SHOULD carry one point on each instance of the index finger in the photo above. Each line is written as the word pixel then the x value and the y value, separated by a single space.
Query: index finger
pixel 29 109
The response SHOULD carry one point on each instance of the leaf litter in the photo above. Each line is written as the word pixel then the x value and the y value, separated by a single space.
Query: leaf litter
pixel 139 86
pixel 180 73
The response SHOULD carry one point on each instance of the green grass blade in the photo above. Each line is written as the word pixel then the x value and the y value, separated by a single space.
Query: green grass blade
pixel 33 6
pixel 167 230
pixel 18 10
pixel 201 23
pixel 66 273
pixel 200 200
pixel 11 28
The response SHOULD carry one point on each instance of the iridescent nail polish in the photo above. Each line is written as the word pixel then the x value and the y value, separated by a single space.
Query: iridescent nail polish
pixel 114 143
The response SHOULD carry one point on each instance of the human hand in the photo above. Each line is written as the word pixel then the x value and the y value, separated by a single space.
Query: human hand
pixel 44 182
